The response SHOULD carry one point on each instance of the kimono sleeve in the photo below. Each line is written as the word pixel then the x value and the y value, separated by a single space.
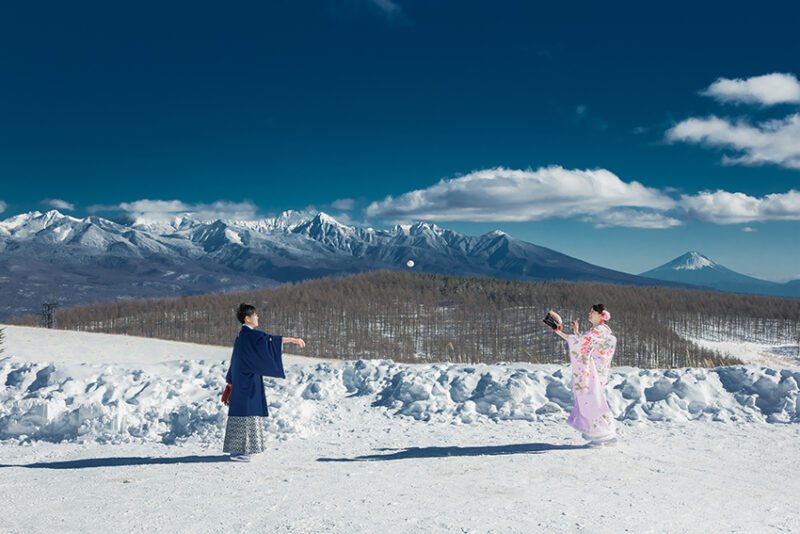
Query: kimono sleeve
pixel 574 343
pixel 270 350
pixel 228 374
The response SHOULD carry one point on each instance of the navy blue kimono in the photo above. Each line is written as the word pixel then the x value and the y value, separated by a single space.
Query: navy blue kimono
pixel 255 354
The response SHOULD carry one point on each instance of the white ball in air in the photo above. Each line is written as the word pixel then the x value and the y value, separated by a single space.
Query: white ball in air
pixel 410 263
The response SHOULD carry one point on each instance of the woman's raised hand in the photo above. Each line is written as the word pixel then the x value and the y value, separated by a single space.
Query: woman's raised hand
pixel 575 328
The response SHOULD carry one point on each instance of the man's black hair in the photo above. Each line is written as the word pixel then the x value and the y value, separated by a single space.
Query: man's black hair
pixel 244 310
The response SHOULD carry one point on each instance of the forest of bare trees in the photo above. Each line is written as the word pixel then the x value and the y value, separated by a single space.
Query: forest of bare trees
pixel 411 317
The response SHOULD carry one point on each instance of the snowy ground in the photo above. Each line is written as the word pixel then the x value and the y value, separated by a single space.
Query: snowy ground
pixel 769 346
pixel 104 432
pixel 785 355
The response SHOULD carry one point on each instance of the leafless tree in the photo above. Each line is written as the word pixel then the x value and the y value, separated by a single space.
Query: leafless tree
pixel 413 317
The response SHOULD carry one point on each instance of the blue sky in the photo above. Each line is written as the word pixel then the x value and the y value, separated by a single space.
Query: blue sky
pixel 623 134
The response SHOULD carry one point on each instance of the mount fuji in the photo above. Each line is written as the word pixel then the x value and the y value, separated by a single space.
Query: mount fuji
pixel 697 269
pixel 56 257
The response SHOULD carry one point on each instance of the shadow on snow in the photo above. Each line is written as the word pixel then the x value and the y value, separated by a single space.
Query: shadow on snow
pixel 118 462
pixel 445 452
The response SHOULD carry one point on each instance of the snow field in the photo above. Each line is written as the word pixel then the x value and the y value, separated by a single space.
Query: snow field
pixel 369 473
pixel 177 401
pixel 132 443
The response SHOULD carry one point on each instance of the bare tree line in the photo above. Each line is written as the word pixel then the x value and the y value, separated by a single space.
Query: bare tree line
pixel 411 317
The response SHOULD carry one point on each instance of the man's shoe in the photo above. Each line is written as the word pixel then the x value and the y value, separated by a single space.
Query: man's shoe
pixel 238 457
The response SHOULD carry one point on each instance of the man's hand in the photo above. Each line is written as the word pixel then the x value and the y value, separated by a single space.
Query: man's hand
pixel 295 340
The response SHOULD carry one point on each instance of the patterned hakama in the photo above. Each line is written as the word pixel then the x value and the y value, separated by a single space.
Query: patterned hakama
pixel 245 435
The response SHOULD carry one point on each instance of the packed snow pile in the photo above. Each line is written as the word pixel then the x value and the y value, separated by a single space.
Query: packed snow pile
pixel 179 401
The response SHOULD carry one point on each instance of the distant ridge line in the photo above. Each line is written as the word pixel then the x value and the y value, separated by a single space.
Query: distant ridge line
pixel 79 261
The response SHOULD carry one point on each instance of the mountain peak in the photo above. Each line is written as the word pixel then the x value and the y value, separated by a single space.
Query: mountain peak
pixel 324 218
pixel 165 224
pixel 53 214
pixel 30 223
pixel 497 233
pixel 696 269
pixel 423 228
pixel 19 220
pixel 326 230
pixel 322 221
pixel 288 219
pixel 692 261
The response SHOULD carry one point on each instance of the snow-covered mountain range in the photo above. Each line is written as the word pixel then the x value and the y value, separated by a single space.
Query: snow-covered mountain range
pixel 52 256
pixel 697 269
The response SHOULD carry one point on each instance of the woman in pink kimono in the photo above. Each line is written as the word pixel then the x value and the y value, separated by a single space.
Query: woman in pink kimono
pixel 590 356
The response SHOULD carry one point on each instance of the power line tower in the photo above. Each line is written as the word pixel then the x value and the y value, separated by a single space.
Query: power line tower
pixel 49 314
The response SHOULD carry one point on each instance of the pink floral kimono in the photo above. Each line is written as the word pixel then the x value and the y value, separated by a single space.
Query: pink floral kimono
pixel 590 358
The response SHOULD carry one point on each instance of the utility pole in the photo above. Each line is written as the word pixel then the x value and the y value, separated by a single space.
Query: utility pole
pixel 49 314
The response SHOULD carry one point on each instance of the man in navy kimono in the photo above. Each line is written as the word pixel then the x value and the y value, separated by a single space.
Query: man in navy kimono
pixel 256 354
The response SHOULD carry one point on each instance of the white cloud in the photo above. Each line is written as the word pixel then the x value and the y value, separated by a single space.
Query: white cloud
pixel 502 194
pixel 748 229
pixel 629 218
pixel 387 6
pixel 390 10
pixel 3 206
pixel 166 210
pixel 775 141
pixel 346 219
pixel 59 204
pixel 343 204
pixel 722 207
pixel 766 90
pixel 595 196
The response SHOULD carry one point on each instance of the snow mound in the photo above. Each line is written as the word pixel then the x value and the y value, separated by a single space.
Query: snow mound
pixel 468 394
pixel 178 401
